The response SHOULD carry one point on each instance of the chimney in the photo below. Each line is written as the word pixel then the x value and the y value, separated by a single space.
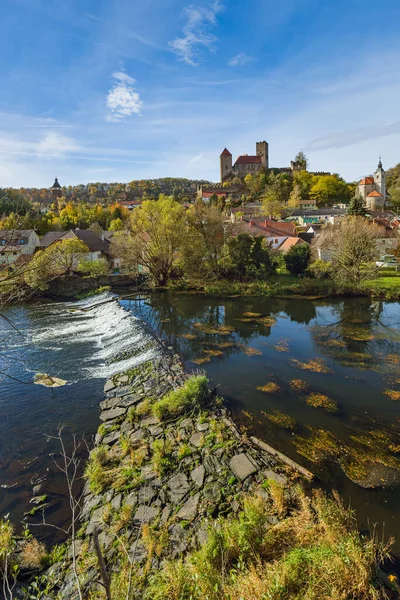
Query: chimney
pixel 251 223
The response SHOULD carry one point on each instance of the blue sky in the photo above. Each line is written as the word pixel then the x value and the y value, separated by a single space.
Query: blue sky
pixel 116 90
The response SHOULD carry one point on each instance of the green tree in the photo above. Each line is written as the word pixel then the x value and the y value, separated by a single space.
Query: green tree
pixel 295 197
pixel 301 160
pixel 203 249
pixel 116 225
pixel 351 246
pixel 357 207
pixel 158 228
pixel 327 189
pixel 93 268
pixel 249 256
pixel 59 259
pixel 297 259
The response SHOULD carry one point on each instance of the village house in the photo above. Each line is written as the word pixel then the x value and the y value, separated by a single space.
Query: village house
pixel 98 248
pixel 278 234
pixel 321 215
pixel 17 245
pixel 231 192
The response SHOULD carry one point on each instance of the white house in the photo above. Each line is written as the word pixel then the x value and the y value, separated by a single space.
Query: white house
pixel 15 243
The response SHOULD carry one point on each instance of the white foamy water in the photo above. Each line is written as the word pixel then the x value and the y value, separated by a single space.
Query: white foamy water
pixel 117 340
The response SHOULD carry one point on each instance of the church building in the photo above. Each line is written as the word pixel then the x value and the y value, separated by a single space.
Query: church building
pixel 373 190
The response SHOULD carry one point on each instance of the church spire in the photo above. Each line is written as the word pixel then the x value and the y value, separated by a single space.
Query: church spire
pixel 380 162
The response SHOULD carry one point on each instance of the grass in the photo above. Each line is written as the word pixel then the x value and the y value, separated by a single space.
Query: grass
pixel 314 553
pixel 281 420
pixel 192 395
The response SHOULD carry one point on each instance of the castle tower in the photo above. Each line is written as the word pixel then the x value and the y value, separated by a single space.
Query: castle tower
pixel 262 150
pixel 225 161
pixel 380 179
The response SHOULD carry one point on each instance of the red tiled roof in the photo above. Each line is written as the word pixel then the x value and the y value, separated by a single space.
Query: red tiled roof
pixel 245 159
pixel 375 194
pixel 209 194
pixel 288 228
pixel 226 152
pixel 290 242
pixel 367 181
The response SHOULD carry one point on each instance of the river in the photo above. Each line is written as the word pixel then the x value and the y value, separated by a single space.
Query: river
pixel 341 355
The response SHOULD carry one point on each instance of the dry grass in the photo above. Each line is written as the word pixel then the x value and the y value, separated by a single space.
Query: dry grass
pixel 32 554
pixel 316 365
pixel 269 388
pixel 321 401
pixel 313 553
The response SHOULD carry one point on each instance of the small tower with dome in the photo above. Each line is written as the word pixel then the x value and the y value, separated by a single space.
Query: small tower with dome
pixel 56 189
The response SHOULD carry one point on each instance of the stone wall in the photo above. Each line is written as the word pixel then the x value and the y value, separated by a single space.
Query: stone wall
pixel 212 465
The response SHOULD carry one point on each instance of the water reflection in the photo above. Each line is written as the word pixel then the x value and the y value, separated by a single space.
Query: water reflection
pixel 311 377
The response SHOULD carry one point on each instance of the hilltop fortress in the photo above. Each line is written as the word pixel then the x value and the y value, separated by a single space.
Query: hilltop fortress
pixel 246 163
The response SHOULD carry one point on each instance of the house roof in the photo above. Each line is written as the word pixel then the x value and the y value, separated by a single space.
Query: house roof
pixel 92 240
pixel 50 237
pixel 375 194
pixel 15 233
pixel 288 228
pixel 255 227
pixel 309 201
pixel 307 237
pixel 245 159
pixel 209 194
pixel 290 242
pixel 367 181
pixel 226 152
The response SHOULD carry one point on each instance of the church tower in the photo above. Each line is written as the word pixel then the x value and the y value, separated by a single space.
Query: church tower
pixel 262 150
pixel 380 179
pixel 225 161
pixel 56 189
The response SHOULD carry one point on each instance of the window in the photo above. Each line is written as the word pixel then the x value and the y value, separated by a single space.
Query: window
pixel 2 242
pixel 21 242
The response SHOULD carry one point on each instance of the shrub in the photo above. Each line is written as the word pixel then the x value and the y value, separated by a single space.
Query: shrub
pixel 32 554
pixel 297 259
pixel 192 395
pixel 320 269
pixel 96 473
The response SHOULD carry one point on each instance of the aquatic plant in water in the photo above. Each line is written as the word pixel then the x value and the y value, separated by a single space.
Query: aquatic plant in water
pixel 316 365
pixel 269 388
pixel 322 401
pixel 281 420
pixel 321 445
pixel 188 336
pixel 298 385
pixel 392 394
pixel 249 351
pixel 282 346
pixel 222 330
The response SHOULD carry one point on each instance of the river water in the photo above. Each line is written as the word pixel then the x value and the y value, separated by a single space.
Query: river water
pixel 344 353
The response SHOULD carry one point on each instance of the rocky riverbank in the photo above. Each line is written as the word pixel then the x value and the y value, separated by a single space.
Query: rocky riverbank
pixel 167 478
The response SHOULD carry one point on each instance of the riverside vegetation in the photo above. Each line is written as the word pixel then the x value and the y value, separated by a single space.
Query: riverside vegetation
pixel 182 505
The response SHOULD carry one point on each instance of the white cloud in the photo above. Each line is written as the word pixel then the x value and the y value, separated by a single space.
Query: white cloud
pixel 239 60
pixel 196 158
pixel 55 144
pixel 196 33
pixel 122 100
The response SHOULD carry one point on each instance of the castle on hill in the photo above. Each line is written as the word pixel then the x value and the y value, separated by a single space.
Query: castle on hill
pixel 373 190
pixel 246 163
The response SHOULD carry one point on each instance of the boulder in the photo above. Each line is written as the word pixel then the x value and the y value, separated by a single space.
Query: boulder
pixel 114 413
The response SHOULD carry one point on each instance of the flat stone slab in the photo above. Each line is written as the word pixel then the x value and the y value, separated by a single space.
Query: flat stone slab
pixel 198 475
pixel 179 487
pixel 145 514
pixel 149 421
pixel 114 413
pixel 189 510
pixel 110 385
pixel 242 466
pixel 111 438
pixel 202 426
pixel 197 440
pixel 269 474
